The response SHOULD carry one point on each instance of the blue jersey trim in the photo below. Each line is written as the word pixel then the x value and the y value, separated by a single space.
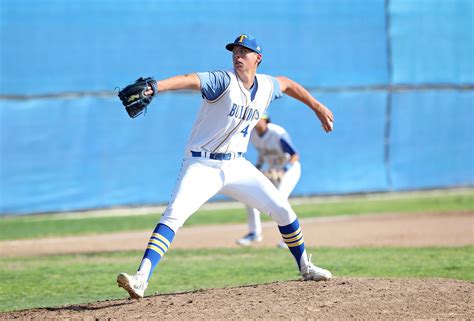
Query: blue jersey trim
pixel 286 147
pixel 253 90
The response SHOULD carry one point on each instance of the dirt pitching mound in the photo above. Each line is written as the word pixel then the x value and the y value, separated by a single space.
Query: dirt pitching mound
pixel 339 298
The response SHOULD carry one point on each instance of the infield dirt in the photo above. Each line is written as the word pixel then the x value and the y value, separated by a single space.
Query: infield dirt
pixel 409 230
pixel 342 297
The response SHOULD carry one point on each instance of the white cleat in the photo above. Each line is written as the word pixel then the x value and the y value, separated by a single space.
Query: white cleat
pixel 134 285
pixel 249 239
pixel 282 245
pixel 314 273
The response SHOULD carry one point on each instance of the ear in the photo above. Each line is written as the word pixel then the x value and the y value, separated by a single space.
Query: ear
pixel 259 58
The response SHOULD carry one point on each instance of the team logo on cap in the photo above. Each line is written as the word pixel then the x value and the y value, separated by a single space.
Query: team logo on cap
pixel 242 37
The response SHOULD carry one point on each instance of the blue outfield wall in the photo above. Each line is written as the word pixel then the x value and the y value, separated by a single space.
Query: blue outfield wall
pixel 98 45
pixel 85 156
pixel 432 41
pixel 432 139
pixel 88 153
pixel 82 152
pixel 351 158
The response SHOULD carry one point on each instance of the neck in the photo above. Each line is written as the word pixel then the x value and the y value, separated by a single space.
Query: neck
pixel 247 78
pixel 261 131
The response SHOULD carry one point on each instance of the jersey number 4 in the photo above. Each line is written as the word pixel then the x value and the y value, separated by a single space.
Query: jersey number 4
pixel 245 131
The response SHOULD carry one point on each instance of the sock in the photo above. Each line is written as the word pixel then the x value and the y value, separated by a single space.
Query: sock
pixel 293 238
pixel 159 243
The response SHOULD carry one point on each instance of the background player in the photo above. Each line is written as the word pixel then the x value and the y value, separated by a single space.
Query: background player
pixel 233 102
pixel 275 150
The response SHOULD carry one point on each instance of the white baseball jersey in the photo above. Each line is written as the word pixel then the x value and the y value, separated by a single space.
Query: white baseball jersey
pixel 228 114
pixel 274 146
pixel 224 123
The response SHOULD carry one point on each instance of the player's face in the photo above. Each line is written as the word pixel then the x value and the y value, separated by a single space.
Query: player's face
pixel 244 59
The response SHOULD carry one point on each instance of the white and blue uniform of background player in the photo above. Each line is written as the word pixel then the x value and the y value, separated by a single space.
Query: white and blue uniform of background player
pixel 278 159
pixel 233 102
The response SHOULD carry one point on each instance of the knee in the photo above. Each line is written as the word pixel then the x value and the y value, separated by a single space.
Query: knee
pixel 282 214
pixel 172 220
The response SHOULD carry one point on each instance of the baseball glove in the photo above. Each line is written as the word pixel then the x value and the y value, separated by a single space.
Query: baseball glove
pixel 133 96
pixel 274 175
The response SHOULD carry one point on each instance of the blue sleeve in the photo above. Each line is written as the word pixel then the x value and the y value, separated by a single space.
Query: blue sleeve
pixel 213 83
pixel 276 89
pixel 286 147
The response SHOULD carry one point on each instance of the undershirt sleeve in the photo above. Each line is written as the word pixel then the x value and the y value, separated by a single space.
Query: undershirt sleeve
pixel 213 83
pixel 276 89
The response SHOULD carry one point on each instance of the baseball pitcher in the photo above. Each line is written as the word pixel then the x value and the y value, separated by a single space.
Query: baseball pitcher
pixel 233 102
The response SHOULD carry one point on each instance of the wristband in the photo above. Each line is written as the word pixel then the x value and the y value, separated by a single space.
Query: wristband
pixel 154 86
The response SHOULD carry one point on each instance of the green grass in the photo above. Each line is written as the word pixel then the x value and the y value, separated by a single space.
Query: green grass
pixel 29 282
pixel 28 227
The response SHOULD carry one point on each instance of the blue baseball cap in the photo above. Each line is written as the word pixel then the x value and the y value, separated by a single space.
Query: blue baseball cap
pixel 247 41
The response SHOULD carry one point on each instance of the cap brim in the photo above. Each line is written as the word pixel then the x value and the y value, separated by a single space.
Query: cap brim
pixel 231 46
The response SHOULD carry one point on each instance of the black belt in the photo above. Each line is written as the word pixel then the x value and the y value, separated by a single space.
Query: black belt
pixel 216 156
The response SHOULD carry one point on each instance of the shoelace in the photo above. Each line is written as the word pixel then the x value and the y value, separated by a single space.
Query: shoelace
pixel 307 267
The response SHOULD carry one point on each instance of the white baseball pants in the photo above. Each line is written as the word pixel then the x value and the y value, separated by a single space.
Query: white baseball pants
pixel 287 185
pixel 202 178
